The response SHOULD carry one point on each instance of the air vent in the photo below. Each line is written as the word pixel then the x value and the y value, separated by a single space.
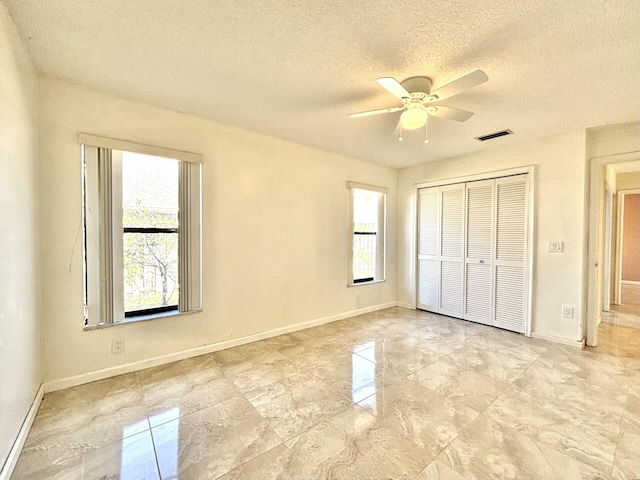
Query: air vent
pixel 502 133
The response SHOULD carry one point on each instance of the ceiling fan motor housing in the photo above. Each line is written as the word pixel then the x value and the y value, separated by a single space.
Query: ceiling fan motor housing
pixel 417 85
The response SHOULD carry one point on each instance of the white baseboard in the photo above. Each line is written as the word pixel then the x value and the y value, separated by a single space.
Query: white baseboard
pixel 629 282
pixel 562 340
pixel 405 305
pixel 83 378
pixel 14 453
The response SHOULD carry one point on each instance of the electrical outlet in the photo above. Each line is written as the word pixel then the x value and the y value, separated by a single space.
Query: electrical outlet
pixel 117 345
pixel 567 312
pixel 555 246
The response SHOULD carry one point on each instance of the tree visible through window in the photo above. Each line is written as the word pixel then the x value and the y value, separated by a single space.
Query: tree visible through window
pixel 150 242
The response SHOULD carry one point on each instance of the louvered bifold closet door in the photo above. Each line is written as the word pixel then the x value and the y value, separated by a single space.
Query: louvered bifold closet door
pixel 510 257
pixel 478 303
pixel 428 248
pixel 452 249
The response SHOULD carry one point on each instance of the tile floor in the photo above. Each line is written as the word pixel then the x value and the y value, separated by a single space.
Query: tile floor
pixel 624 315
pixel 392 394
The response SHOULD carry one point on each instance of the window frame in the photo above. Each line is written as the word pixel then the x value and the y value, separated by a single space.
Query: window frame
pixel 103 292
pixel 381 233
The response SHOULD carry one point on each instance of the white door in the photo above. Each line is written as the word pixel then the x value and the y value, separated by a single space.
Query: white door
pixel 472 249
pixel 510 253
pixel 478 303
pixel 428 248
pixel 452 207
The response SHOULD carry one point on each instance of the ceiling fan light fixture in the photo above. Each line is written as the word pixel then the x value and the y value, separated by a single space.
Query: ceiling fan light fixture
pixel 413 117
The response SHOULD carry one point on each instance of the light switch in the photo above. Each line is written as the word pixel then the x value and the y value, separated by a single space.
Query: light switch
pixel 555 246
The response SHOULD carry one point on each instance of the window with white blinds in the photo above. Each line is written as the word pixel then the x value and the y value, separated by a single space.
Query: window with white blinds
pixel 142 231
pixel 472 251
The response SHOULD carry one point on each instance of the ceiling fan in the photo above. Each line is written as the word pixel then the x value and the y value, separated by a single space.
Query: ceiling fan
pixel 419 102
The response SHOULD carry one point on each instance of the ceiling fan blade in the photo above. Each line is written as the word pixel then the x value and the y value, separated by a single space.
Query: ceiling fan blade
pixel 450 113
pixel 394 87
pixel 376 112
pixel 458 86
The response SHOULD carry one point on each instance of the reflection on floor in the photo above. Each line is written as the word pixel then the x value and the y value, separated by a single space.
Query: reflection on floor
pixel 392 394
pixel 624 315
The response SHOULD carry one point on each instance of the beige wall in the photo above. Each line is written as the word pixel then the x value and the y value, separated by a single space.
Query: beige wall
pixel 20 348
pixel 560 192
pixel 274 231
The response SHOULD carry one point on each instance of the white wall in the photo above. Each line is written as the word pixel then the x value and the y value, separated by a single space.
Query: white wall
pixel 560 197
pixel 20 349
pixel 274 230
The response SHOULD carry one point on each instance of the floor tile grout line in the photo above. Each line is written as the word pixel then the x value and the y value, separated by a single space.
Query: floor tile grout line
pixel 155 454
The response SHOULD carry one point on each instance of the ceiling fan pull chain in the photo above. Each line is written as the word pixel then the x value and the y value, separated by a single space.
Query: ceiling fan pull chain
pixel 426 131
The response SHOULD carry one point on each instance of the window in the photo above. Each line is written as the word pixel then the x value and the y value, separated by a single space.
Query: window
pixel 142 225
pixel 367 233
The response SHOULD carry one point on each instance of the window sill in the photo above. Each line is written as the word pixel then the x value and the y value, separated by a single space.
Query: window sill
pixel 359 284
pixel 141 318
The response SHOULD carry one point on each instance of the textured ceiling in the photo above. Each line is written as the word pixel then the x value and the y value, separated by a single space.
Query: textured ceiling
pixel 295 69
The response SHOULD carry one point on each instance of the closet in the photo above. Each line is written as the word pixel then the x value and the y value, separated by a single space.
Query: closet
pixel 472 251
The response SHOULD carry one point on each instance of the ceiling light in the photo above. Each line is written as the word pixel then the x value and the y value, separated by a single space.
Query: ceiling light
pixel 413 117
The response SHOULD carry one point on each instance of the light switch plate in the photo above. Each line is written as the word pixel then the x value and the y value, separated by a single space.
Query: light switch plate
pixel 555 246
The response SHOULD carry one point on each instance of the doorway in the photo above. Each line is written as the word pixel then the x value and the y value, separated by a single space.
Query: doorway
pixel 611 178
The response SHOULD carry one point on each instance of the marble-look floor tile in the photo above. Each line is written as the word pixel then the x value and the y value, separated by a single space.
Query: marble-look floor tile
pixel 632 409
pixel 488 449
pixel 132 458
pixel 296 403
pixel 89 393
pixel 464 385
pixel 581 367
pixel 559 387
pixel 505 345
pixel 354 444
pixel 575 433
pixel 353 376
pixel 279 463
pixel 488 403
pixel 211 442
pixel 396 360
pixel 455 334
pixel 427 418
pixel 318 351
pixel 437 470
pixel 261 370
pixel 501 366
pixel 179 388
pixel 627 460
pixel 58 435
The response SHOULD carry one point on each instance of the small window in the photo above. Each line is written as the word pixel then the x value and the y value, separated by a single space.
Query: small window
pixel 367 233
pixel 142 227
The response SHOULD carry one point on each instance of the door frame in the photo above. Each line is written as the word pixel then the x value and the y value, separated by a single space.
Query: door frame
pixel 608 219
pixel 590 270
pixel 529 264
